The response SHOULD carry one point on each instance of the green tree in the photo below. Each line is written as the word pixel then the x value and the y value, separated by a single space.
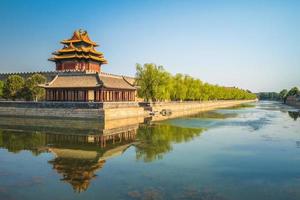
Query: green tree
pixel 145 78
pixel 274 96
pixel 13 87
pixel 153 81
pixel 293 91
pixel 283 94
pixel 205 92
pixel 32 90
pixel 193 88
pixel 179 89
pixel 157 84
pixel 1 88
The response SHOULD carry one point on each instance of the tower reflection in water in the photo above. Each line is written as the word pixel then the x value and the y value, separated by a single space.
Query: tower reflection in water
pixel 81 147
pixel 77 158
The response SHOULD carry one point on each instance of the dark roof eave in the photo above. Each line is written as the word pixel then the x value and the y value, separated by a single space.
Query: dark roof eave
pixel 49 87
pixel 119 88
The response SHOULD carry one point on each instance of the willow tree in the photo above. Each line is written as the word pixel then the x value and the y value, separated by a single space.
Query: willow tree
pixel 157 84
pixel 1 88
pixel 193 88
pixel 179 89
pixel 293 91
pixel 153 81
pixel 283 94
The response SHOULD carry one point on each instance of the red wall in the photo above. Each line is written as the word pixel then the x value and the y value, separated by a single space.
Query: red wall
pixel 78 66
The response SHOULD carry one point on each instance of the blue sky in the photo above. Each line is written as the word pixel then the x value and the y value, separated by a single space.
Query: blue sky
pixel 249 44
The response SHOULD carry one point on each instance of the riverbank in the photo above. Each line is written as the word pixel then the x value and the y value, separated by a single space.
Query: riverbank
pixel 168 110
pixel 110 110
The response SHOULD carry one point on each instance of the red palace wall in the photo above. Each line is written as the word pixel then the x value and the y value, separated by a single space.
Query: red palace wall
pixel 78 66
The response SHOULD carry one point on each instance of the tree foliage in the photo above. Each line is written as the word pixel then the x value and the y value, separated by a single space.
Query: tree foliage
pixel 32 91
pixel 179 89
pixel 156 84
pixel 272 96
pixel 283 95
pixel 1 88
pixel 13 87
pixel 293 91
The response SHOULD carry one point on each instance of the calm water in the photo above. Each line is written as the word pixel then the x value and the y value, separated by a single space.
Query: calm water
pixel 248 152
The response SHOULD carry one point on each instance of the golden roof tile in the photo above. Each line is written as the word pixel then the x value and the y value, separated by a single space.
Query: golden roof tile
pixel 89 81
pixel 79 51
pixel 74 81
pixel 95 58
pixel 80 36
pixel 115 82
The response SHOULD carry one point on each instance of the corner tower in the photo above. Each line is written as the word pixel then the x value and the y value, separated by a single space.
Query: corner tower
pixel 78 54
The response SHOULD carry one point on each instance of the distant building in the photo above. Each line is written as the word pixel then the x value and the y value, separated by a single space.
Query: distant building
pixel 294 98
pixel 78 75
pixel 293 101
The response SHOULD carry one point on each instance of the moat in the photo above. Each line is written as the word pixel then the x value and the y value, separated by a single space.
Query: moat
pixel 245 152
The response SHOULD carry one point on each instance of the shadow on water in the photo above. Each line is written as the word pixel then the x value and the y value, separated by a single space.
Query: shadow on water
pixel 294 114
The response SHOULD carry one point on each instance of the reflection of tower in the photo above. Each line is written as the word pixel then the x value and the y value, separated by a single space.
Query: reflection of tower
pixel 78 157
pixel 117 136
pixel 81 147
pixel 77 172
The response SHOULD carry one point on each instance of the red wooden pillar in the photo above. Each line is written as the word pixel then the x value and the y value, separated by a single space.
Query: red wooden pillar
pixel 46 95
pixel 101 95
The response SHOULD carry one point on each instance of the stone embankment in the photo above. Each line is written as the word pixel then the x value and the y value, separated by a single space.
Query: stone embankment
pixel 110 110
pixel 166 110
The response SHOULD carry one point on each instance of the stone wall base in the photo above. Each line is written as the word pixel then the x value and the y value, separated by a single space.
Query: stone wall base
pixel 178 109
pixel 51 112
pixel 110 111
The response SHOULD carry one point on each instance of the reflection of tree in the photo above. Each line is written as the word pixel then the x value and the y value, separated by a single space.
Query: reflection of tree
pixel 77 157
pixel 294 114
pixel 214 115
pixel 240 106
pixel 156 140
pixel 77 172
pixel 17 141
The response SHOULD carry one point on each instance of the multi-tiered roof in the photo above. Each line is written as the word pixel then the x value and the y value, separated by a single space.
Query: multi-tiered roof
pixel 79 47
